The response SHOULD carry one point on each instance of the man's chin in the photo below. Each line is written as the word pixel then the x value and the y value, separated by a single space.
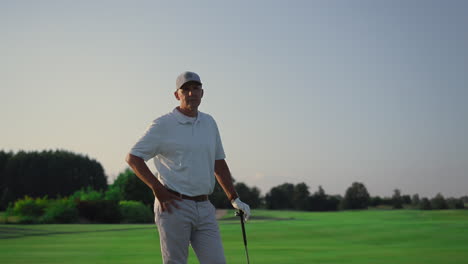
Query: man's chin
pixel 194 105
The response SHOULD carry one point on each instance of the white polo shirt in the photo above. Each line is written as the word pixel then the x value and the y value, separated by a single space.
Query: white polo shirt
pixel 184 151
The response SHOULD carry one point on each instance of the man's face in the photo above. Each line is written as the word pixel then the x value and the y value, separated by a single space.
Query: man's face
pixel 189 95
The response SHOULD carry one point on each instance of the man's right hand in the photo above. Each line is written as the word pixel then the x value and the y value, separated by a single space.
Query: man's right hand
pixel 167 200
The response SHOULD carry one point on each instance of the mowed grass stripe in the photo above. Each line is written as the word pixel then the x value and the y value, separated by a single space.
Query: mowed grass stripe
pixel 404 236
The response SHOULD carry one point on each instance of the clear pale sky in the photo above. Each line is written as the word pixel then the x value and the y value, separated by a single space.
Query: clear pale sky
pixel 321 92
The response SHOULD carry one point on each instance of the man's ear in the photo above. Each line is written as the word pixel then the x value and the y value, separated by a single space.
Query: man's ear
pixel 176 94
pixel 202 92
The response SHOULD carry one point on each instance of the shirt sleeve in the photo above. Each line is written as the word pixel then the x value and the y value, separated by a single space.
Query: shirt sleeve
pixel 219 150
pixel 148 145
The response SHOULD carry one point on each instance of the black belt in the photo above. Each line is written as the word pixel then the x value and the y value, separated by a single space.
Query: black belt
pixel 198 198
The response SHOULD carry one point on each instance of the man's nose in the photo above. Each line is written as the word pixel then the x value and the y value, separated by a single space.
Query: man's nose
pixel 192 93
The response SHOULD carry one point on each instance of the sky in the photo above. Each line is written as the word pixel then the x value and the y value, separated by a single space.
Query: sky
pixel 322 92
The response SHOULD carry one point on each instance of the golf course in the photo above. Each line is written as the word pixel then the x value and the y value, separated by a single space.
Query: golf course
pixel 368 236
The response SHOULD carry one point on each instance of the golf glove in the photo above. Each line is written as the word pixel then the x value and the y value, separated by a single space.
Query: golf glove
pixel 238 204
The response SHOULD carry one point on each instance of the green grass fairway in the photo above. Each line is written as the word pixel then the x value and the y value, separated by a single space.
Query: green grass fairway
pixel 373 237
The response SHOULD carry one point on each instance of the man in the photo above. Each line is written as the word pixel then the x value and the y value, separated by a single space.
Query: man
pixel 188 154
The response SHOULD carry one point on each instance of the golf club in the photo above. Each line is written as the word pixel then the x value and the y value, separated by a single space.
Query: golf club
pixel 241 215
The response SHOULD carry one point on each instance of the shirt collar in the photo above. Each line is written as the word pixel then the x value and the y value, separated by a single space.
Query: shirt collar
pixel 183 119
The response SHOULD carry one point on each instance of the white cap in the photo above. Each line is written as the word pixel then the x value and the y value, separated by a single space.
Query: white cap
pixel 186 77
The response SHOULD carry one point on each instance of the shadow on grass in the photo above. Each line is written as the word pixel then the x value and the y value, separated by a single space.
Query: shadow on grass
pixel 16 232
pixel 259 218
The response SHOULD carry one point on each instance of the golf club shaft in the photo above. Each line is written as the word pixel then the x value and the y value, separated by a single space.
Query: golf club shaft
pixel 241 215
pixel 247 254
pixel 243 230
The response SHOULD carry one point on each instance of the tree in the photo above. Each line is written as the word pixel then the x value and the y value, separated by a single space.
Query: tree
pixel 320 192
pixel 5 193
pixel 280 197
pixel 251 196
pixel 438 202
pixel 333 202
pixel 375 201
pixel 406 199
pixel 464 199
pixel 127 186
pixel 425 204
pixel 4 157
pixel 454 203
pixel 318 201
pixel 51 173
pixel 136 190
pixel 415 200
pixel 218 198
pixel 300 195
pixel 356 197
pixel 387 201
pixel 397 200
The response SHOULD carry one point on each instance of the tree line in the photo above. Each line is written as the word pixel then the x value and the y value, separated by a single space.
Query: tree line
pixel 61 173
pixel 53 173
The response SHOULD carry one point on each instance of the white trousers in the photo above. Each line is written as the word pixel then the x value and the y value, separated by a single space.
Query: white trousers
pixel 193 223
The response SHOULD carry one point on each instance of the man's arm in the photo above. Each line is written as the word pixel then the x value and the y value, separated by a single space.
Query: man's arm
pixel 142 171
pixel 223 175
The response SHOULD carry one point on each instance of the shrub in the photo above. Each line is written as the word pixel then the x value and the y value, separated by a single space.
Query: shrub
pixel 101 211
pixel 30 207
pixel 60 211
pixel 27 220
pixel 87 194
pixel 113 193
pixel 135 212
pixel 9 214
